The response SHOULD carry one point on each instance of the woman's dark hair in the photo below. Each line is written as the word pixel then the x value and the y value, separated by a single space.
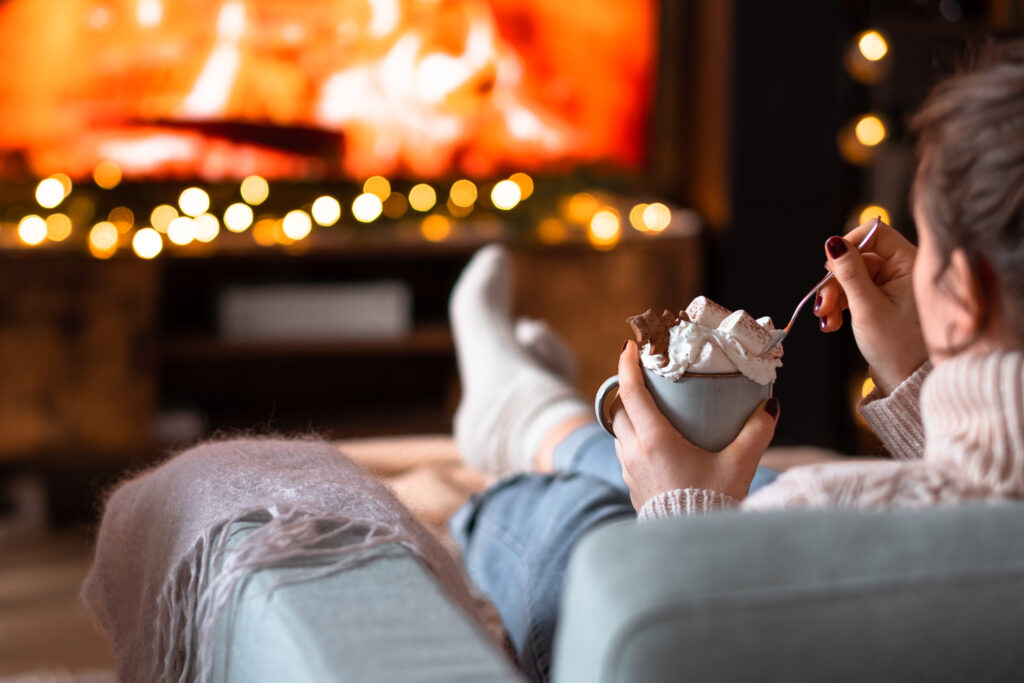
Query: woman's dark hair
pixel 970 176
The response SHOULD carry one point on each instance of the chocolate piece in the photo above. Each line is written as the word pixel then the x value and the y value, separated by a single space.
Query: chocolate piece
pixel 683 316
pixel 668 318
pixel 650 329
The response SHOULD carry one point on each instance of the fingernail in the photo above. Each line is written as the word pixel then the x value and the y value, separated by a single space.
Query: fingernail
pixel 835 246
pixel 625 344
pixel 817 302
pixel 771 407
pixel 822 322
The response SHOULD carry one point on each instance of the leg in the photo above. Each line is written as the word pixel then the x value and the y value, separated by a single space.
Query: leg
pixel 516 540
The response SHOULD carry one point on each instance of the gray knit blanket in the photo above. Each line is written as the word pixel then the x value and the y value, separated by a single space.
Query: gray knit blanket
pixel 163 572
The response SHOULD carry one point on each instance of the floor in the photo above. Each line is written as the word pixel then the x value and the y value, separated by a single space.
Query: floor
pixel 46 632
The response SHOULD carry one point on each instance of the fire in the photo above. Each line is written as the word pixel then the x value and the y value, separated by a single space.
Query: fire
pixel 292 88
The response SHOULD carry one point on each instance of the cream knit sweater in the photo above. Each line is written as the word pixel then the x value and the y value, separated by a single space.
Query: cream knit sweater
pixel 956 432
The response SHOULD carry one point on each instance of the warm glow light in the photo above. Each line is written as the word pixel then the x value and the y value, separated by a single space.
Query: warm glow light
pixel 463 193
pixel 367 207
pixel 207 227
pixel 181 231
pixel 255 190
pixel 162 216
pixel 395 205
pixel 58 227
pixel 147 243
pixel 194 201
pixel 581 207
pixel 237 217
pixel 377 185
pixel 657 217
pixel 103 236
pixel 605 228
pixel 263 232
pixel 867 387
pixel 122 217
pixel 869 130
pixel 32 230
pixel 65 182
pixel 326 211
pixel 422 197
pixel 524 182
pixel 436 227
pixel 506 194
pixel 552 231
pixel 149 13
pixel 49 193
pixel 296 225
pixel 872 212
pixel 636 217
pixel 872 45
pixel 107 175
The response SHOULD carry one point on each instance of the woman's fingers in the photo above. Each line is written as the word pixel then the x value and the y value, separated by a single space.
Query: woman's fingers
pixel 643 413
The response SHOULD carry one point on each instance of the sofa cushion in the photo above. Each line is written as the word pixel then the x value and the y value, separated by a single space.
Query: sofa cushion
pixel 932 594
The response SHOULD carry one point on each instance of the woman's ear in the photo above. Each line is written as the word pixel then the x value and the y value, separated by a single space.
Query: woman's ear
pixel 970 289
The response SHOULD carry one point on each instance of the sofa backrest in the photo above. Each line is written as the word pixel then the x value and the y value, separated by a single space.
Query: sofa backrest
pixel 910 595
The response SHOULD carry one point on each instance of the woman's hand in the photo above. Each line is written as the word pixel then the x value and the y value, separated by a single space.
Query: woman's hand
pixel 656 458
pixel 876 286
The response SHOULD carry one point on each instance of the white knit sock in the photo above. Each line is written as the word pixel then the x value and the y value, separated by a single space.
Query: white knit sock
pixel 547 347
pixel 510 401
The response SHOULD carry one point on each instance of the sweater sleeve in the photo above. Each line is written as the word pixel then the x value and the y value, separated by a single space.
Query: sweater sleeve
pixel 896 419
pixel 681 502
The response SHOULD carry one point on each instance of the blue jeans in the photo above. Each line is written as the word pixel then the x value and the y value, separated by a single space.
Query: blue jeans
pixel 517 536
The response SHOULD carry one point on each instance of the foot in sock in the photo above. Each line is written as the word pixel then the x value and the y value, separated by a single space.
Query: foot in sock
pixel 510 400
pixel 547 347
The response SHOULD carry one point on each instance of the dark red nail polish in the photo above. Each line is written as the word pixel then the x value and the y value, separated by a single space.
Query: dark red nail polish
pixel 836 246
pixel 771 407
pixel 817 302
pixel 625 344
pixel 822 322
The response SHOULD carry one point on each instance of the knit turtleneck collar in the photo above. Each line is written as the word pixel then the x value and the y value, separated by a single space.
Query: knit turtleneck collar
pixel 973 411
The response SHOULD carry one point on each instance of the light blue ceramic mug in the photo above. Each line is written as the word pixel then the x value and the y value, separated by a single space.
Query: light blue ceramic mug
pixel 709 410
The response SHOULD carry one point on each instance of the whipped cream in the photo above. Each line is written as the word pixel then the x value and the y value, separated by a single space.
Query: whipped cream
pixel 716 341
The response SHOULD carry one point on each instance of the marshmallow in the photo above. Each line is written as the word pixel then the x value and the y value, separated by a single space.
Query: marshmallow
pixel 766 323
pixel 745 330
pixel 706 313
pixel 712 361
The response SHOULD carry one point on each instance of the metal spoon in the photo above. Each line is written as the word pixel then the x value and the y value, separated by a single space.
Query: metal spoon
pixel 779 335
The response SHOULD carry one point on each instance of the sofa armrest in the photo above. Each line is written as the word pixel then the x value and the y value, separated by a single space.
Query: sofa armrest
pixel 798 595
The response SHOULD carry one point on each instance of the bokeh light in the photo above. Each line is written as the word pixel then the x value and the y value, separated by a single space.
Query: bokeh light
pixel 872 45
pixel 107 175
pixel 636 217
pixel 524 182
pixel 326 211
pixel 194 201
pixel 263 232
pixel 377 185
pixel 870 213
pixel 103 236
pixel 463 193
pixel 422 197
pixel 32 230
pixel 581 207
pixel 605 228
pixel 395 205
pixel 552 231
pixel 181 231
pixel 506 194
pixel 657 217
pixel 49 193
pixel 58 227
pixel 869 130
pixel 65 182
pixel 147 243
pixel 122 217
pixel 367 207
pixel 238 217
pixel 160 218
pixel 436 228
pixel 255 190
pixel 867 387
pixel 296 225
pixel 458 211
pixel 207 227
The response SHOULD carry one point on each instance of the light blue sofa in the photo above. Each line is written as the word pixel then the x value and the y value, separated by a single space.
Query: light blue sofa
pixel 927 595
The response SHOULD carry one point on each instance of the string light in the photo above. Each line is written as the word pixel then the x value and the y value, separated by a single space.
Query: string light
pixel 869 130
pixel 326 211
pixel 524 182
pixel 103 236
pixel 263 232
pixel 58 227
pixel 872 45
pixel 32 230
pixel 49 193
pixel 463 193
pixel 296 225
pixel 161 217
pixel 435 227
pixel 422 197
pixel 181 231
pixel 65 182
pixel 107 175
pixel 506 194
pixel 377 185
pixel 147 243
pixel 367 207
pixel 636 218
pixel 238 217
pixel 255 190
pixel 194 201
pixel 207 227
pixel 605 228
pixel 657 217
